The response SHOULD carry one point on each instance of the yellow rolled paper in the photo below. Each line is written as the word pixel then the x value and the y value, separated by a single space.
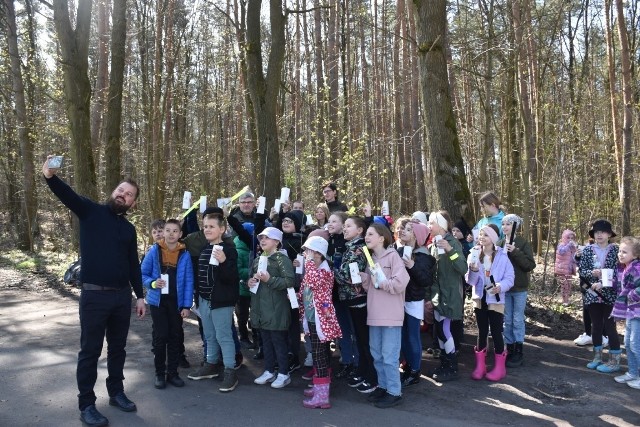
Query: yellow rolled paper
pixel 240 193
pixel 368 256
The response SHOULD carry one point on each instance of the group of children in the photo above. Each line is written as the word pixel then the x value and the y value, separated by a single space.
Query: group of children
pixel 609 276
pixel 347 279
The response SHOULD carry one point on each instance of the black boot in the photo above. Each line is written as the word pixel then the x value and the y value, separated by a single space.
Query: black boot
pixel 439 370
pixel 517 358
pixel 448 371
pixel 511 349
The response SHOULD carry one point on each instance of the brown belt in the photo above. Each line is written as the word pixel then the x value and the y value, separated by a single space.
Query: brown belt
pixel 92 287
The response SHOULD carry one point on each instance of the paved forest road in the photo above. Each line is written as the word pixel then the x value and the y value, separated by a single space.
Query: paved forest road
pixel 39 336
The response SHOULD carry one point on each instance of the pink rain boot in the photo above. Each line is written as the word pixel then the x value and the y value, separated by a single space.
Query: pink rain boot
pixel 481 368
pixel 499 370
pixel 320 397
pixel 308 392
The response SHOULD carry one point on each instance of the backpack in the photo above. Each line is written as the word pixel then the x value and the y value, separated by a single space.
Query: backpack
pixel 72 275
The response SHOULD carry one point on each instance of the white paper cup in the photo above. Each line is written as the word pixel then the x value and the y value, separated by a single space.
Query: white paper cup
pixel 607 277
pixel 186 200
pixel 213 260
pixel 385 207
pixel 355 273
pixel 407 251
pixel 276 205
pixel 203 204
pixel 262 264
pixel 284 194
pixel 262 202
pixel 437 239
pixel 474 256
pixel 299 268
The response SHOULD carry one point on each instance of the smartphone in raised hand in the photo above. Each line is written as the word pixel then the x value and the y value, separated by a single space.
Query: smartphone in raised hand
pixel 55 162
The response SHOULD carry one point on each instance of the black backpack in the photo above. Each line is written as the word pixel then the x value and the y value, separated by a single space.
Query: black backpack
pixel 72 275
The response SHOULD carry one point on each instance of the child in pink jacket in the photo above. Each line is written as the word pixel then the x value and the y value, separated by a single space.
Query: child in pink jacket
pixel 385 288
pixel 565 264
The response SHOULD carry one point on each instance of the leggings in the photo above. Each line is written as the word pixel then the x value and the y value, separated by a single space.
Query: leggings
pixel 486 319
pixel 320 353
pixel 600 319
pixel 443 332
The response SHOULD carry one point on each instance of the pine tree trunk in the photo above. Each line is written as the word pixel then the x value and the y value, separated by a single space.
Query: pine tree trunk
pixel 452 191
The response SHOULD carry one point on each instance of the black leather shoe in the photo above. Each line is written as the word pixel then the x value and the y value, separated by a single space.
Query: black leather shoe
pixel 175 380
pixel 160 382
pixel 91 417
pixel 122 402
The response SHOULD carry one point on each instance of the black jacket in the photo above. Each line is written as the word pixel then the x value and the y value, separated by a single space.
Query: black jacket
pixel 218 284
pixel 420 275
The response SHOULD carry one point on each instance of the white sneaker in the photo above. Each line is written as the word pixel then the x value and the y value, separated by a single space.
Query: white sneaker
pixel 281 381
pixel 583 339
pixel 625 378
pixel 634 384
pixel 308 361
pixel 605 342
pixel 266 377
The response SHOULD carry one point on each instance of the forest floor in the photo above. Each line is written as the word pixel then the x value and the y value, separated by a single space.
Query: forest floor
pixel 39 339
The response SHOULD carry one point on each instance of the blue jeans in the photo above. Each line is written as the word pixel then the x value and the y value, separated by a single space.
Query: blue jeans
pixel 348 348
pixel 514 305
pixel 632 344
pixel 216 325
pixel 411 342
pixel 384 344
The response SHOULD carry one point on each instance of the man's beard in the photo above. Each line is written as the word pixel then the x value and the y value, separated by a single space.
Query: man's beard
pixel 117 208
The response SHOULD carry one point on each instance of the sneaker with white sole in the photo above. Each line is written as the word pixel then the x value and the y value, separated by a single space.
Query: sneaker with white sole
pixel 366 387
pixel 355 381
pixel 281 381
pixel 625 378
pixel 583 339
pixel 634 384
pixel 266 377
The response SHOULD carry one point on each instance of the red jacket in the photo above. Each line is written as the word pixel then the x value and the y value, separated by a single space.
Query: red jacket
pixel 320 281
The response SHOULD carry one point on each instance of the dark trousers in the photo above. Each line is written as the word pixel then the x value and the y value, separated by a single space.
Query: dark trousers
pixel 457 332
pixel 242 314
pixel 320 352
pixel 102 313
pixel 600 321
pixel 361 329
pixel 586 319
pixel 168 337
pixel 294 334
pixel 486 319
pixel 275 347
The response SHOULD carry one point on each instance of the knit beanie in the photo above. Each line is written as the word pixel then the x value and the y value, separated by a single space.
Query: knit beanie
pixel 421 232
pixel 420 216
pixel 297 217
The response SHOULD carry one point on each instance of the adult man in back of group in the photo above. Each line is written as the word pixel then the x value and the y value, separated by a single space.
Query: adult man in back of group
pixel 330 194
pixel 109 269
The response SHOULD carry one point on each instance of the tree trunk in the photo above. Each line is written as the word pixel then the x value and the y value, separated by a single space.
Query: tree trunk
pixel 102 75
pixel 452 191
pixel 27 225
pixel 113 121
pixel 627 122
pixel 74 50
pixel 264 91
